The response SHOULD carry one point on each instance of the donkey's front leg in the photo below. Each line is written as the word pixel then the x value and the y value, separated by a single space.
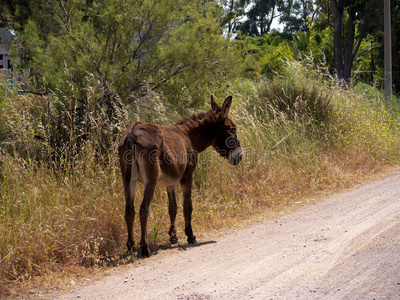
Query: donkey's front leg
pixel 172 209
pixel 144 214
pixel 186 185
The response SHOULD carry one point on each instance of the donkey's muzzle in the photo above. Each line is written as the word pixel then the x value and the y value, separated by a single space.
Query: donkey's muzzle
pixel 236 156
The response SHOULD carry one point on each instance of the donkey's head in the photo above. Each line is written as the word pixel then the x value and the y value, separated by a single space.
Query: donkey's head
pixel 225 140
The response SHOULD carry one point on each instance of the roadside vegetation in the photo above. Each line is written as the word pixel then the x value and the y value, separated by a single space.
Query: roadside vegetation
pixel 61 196
pixel 64 207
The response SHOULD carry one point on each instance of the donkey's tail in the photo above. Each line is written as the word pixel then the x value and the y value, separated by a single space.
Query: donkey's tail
pixel 126 151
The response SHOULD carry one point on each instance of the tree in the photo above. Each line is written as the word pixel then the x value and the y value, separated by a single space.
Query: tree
pixel 234 13
pixel 352 21
pixel 15 13
pixel 297 14
pixel 126 46
pixel 260 15
pixel 93 58
pixel 294 14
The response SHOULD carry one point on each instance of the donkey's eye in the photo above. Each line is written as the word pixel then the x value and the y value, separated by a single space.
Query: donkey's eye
pixel 232 129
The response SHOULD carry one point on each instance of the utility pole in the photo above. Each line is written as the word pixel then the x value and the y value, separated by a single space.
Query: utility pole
pixel 387 52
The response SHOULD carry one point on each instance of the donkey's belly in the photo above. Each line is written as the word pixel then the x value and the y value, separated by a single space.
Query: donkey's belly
pixel 170 176
pixel 165 180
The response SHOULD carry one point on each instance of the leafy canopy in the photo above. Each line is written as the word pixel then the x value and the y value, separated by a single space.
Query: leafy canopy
pixel 127 46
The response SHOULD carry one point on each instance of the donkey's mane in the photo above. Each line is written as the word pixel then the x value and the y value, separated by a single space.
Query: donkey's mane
pixel 194 117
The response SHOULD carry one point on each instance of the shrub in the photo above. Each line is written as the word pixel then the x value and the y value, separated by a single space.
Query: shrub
pixel 365 123
pixel 274 61
pixel 306 104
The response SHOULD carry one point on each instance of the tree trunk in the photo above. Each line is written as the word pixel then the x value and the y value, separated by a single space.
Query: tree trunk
pixel 343 63
pixel 337 13
pixel 349 54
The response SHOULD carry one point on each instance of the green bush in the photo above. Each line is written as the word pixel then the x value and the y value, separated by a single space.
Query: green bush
pixel 274 61
pixel 306 104
pixel 365 123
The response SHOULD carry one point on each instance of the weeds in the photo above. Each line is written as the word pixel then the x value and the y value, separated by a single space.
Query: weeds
pixel 61 194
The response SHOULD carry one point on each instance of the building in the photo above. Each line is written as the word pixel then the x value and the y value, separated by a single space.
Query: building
pixel 5 59
pixel 8 73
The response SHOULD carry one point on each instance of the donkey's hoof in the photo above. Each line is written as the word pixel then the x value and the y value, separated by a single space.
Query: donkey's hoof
pixel 173 239
pixel 191 239
pixel 131 247
pixel 145 252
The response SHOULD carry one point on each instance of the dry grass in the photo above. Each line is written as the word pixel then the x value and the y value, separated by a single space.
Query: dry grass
pixel 55 221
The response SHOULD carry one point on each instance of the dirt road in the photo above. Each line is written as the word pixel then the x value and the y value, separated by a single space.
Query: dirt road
pixel 345 247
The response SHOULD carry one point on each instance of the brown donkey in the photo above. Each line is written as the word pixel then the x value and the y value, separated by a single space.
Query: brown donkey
pixel 167 155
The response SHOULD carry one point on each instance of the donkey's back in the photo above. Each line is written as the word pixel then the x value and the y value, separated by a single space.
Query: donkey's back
pixel 159 154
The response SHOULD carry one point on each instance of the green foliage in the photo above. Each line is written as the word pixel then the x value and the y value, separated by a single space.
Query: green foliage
pixel 316 45
pixel 150 20
pixel 128 45
pixel 302 41
pixel 273 62
pixel 296 15
pixel 259 17
pixel 202 60
pixel 267 54
pixel 365 124
pixel 94 58
pixel 302 103
pixel 370 93
pixel 366 68
pixel 255 18
pixel 322 48
pixel 255 51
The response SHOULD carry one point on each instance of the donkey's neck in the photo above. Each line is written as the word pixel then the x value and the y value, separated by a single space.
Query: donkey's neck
pixel 200 130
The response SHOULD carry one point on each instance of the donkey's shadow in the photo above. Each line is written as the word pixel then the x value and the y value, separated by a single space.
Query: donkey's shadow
pixel 127 258
pixel 197 244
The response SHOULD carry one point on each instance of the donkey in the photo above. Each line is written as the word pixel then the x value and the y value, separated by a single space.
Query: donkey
pixel 167 155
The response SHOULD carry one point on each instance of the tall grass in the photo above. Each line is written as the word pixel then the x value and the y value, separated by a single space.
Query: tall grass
pixel 62 203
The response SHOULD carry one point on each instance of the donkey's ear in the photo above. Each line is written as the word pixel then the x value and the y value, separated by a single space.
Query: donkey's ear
pixel 226 106
pixel 214 105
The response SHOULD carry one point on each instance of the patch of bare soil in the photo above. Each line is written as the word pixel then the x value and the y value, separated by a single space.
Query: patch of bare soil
pixel 345 247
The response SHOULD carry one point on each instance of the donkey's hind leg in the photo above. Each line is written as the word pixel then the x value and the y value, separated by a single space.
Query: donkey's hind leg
pixel 172 209
pixel 130 202
pixel 144 214
pixel 186 185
